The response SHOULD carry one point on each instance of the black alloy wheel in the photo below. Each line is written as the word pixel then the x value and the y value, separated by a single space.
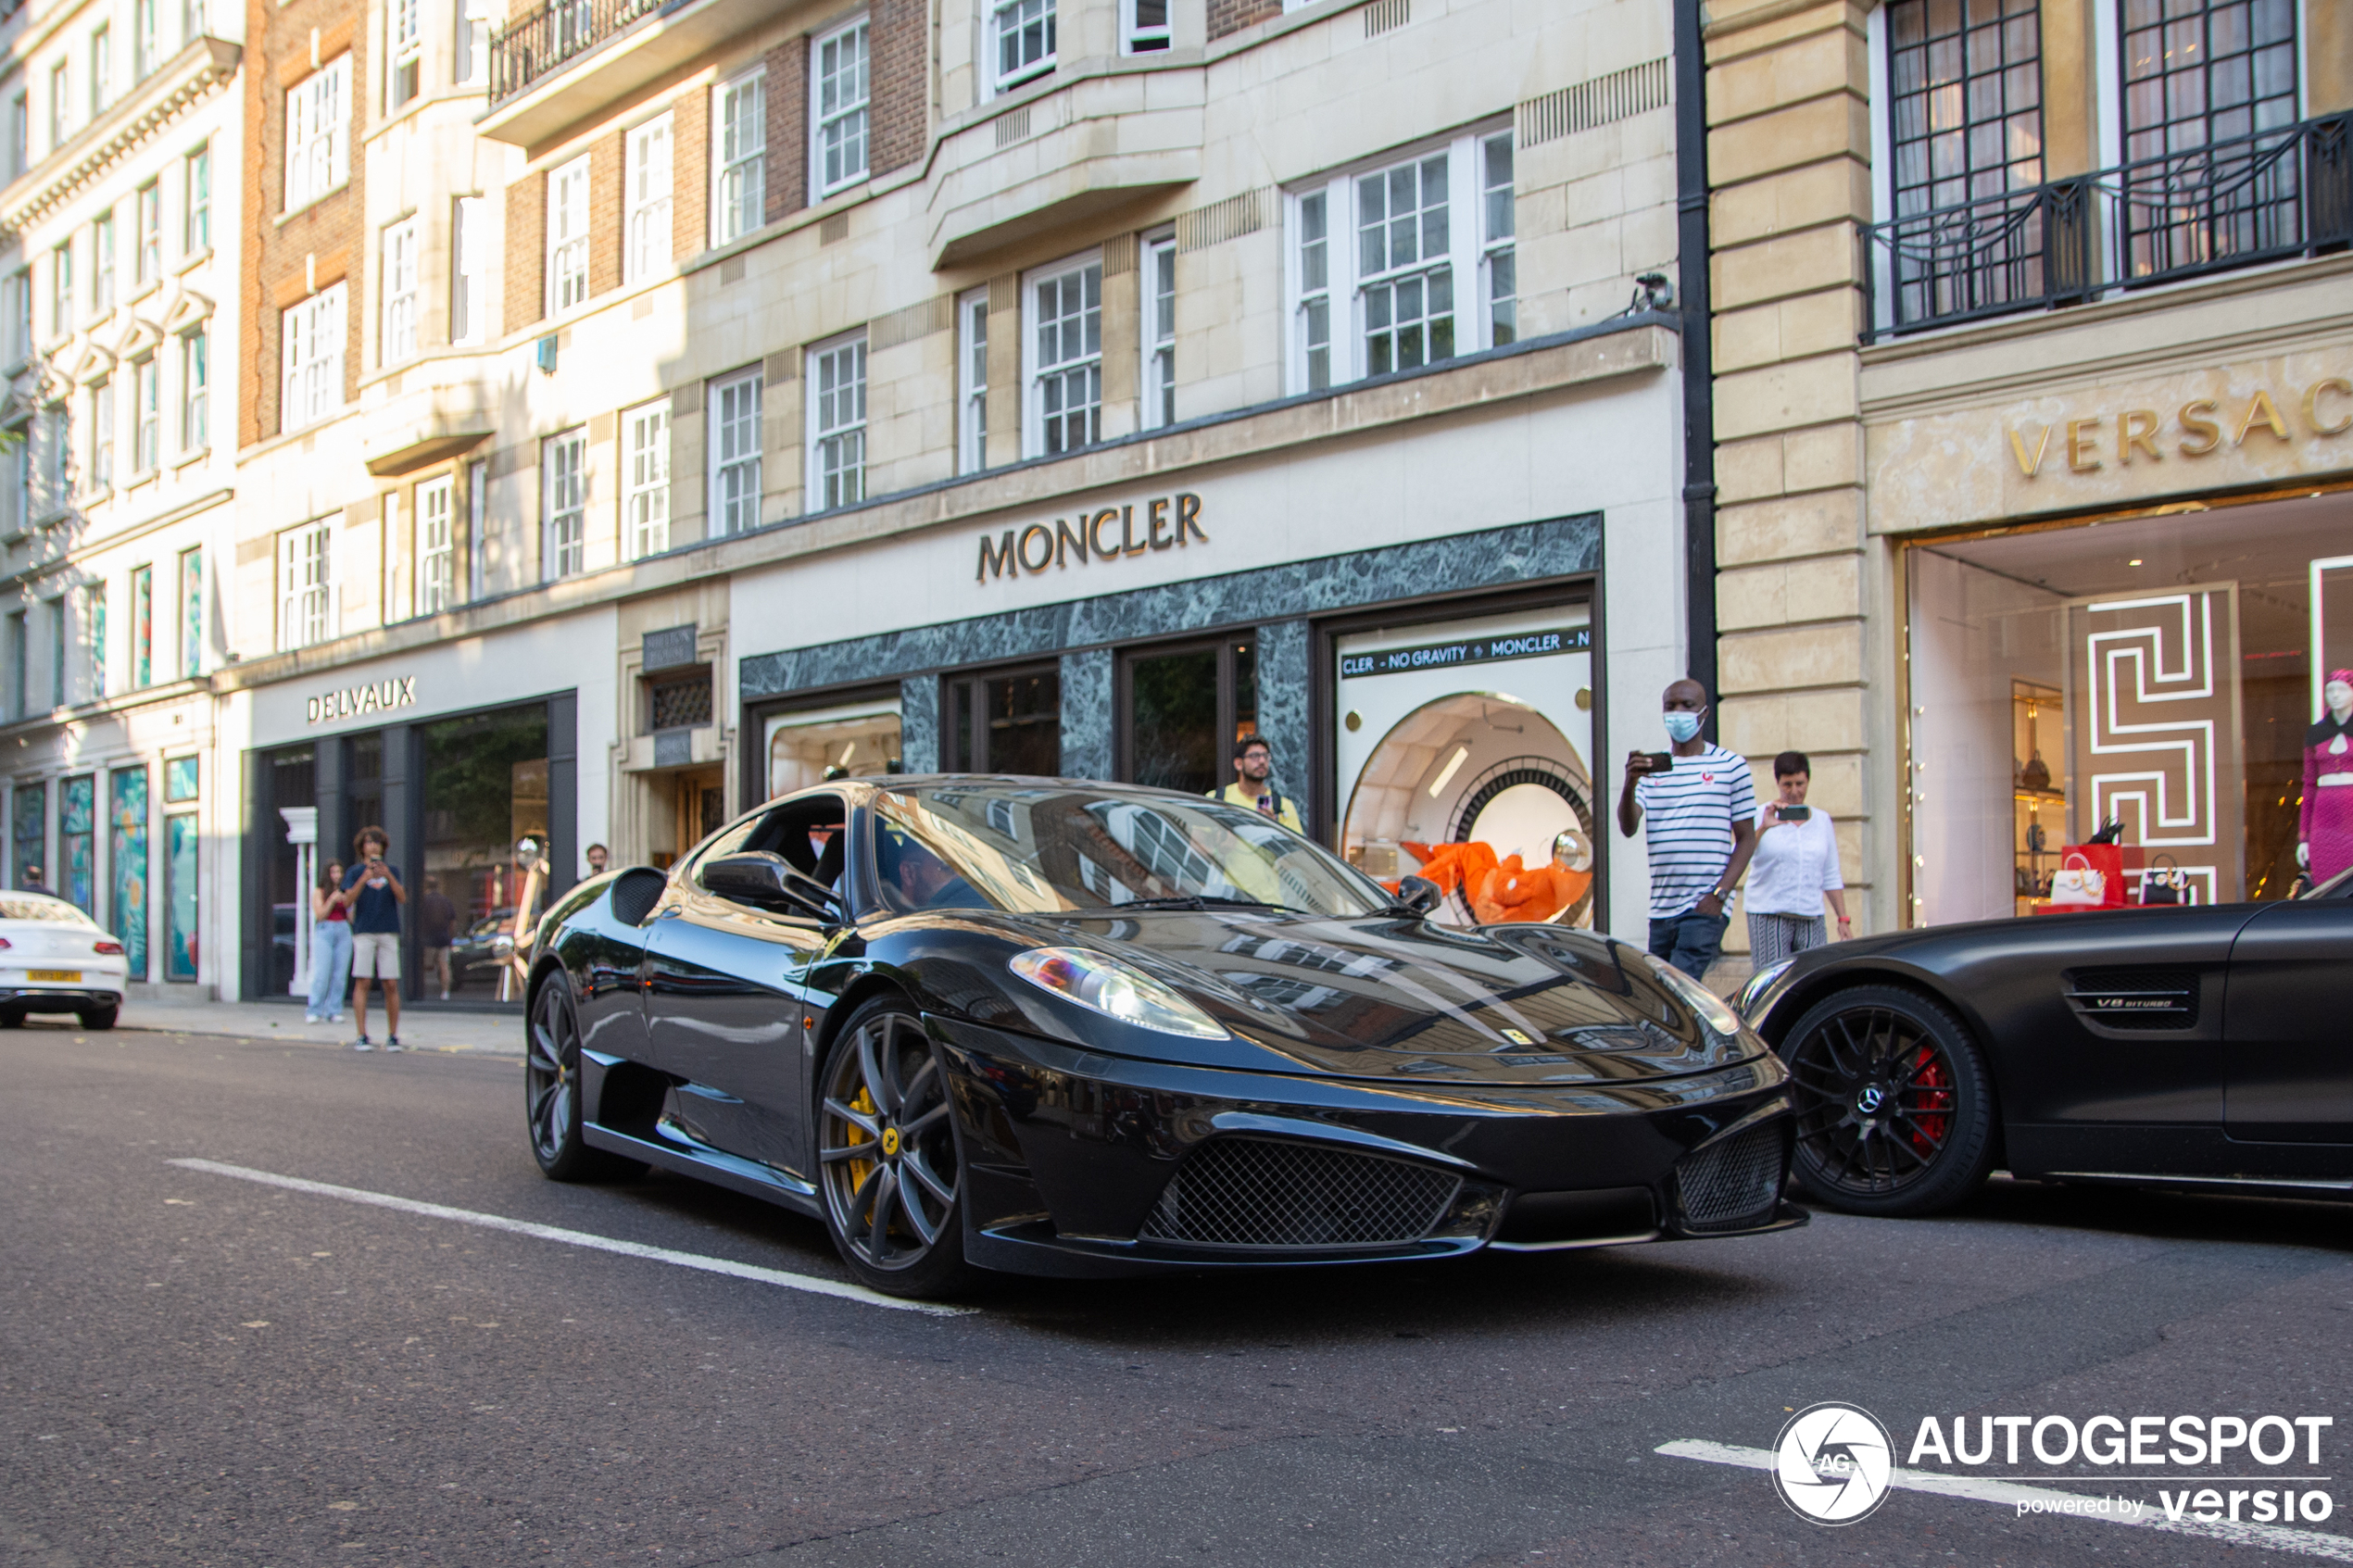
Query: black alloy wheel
pixel 887 1155
pixel 551 1093
pixel 1894 1109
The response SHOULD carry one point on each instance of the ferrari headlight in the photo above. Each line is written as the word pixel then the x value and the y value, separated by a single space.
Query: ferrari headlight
pixel 1760 988
pixel 1698 997
pixel 1104 984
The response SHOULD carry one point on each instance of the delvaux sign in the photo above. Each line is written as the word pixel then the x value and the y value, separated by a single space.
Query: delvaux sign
pixel 351 701
pixel 2201 426
pixel 1164 522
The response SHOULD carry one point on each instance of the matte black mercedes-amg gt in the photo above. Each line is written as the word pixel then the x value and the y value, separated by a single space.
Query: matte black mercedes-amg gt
pixel 1062 1028
pixel 2185 1046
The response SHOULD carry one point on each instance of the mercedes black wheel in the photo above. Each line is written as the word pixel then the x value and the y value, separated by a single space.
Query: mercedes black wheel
pixel 1894 1109
pixel 887 1155
pixel 551 1093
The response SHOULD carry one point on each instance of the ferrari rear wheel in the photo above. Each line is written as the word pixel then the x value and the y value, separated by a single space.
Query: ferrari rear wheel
pixel 551 1093
pixel 1894 1109
pixel 887 1155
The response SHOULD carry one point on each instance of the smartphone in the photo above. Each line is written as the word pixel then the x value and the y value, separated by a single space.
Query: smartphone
pixel 1794 813
pixel 1662 762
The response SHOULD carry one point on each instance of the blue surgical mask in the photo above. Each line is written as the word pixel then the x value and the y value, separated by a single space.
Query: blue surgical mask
pixel 1681 726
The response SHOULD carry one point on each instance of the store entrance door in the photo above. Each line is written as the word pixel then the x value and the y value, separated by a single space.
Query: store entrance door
pixel 1463 752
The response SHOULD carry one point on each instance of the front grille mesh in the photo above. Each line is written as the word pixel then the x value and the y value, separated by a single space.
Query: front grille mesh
pixel 1734 1182
pixel 1259 1192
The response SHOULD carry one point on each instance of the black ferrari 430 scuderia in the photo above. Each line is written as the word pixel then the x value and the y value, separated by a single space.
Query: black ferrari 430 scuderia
pixel 2184 1045
pixel 1063 1028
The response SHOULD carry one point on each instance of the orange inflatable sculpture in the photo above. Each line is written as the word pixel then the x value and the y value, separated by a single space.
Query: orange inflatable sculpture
pixel 1505 892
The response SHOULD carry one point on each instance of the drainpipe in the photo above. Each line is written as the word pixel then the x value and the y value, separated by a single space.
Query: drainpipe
pixel 1699 364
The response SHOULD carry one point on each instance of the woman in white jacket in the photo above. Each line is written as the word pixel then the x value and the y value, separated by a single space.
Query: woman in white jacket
pixel 1796 869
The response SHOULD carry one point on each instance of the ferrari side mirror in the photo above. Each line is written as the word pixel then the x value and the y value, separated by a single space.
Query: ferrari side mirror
pixel 767 881
pixel 1418 894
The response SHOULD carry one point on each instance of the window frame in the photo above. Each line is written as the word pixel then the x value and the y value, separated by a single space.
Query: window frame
pixel 971 381
pixel 404 53
pixel 469 272
pixel 305 583
pixel 1157 389
pixel 146 206
pixel 1138 37
pixel 1344 292
pixel 563 510
pixel 146 415
pixel 644 479
pixel 195 387
pixel 60 102
pixel 567 224
pixel 188 591
pixel 104 296
pixel 102 434
pixel 837 461
pixel 1498 247
pixel 648 218
pixel 324 317
pixel 726 515
pixel 396 328
pixel 1034 442
pixel 195 200
pixel 101 69
pixel 145 39
pixel 843 114
pixel 318 135
pixel 733 218
pixel 993 32
pixel 437 561
pixel 62 312
pixel 142 625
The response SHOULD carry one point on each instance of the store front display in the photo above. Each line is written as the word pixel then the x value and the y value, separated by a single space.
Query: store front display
pixel 127 858
pixel 1185 708
pixel 1461 753
pixel 486 823
pixel 854 740
pixel 1006 724
pixel 2168 675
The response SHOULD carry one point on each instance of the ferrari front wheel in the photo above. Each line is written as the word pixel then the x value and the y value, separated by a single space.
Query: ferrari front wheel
pixel 887 1155
pixel 1894 1108
pixel 551 1093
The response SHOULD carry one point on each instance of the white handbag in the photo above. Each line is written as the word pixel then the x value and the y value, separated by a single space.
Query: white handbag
pixel 2082 888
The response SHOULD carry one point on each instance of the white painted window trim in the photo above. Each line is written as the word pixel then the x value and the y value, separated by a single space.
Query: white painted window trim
pixel 748 209
pixel 645 508
pixel 846 352
pixel 404 47
pixel 971 381
pixel 319 133
pixel 306 596
pixel 563 489
pixel 1157 344
pixel 469 269
pixel 196 394
pixel 437 547
pixel 1033 417
pixel 993 16
pixel 396 338
pixel 1135 39
pixel 858 110
pixel 718 464
pixel 649 165
pixel 567 224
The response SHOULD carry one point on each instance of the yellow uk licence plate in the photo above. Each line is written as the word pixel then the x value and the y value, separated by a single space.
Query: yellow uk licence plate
pixel 68 976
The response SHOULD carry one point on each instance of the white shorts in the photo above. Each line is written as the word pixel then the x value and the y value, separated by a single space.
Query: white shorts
pixel 375 955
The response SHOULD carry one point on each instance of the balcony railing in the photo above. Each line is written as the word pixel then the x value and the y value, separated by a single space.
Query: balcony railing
pixel 540 42
pixel 2237 203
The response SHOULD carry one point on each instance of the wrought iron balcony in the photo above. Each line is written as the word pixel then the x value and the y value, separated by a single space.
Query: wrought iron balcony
pixel 539 43
pixel 2267 198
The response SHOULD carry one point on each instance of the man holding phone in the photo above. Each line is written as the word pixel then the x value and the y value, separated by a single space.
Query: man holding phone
pixel 1702 808
pixel 375 931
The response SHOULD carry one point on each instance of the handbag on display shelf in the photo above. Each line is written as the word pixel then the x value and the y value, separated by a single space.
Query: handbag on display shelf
pixel 2167 887
pixel 2090 876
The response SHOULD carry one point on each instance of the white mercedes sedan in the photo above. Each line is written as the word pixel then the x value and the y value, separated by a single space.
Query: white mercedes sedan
pixel 55 958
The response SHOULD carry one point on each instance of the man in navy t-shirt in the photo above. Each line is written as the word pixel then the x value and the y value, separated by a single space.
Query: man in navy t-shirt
pixel 375 931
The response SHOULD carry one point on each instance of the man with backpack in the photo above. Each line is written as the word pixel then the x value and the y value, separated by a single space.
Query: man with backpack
pixel 1253 786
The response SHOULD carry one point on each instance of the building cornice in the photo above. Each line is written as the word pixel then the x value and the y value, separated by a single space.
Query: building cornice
pixel 177 85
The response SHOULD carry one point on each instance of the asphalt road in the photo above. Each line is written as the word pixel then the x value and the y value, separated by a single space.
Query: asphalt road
pixel 198 1369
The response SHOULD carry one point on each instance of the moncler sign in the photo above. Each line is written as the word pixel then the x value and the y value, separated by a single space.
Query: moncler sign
pixel 351 701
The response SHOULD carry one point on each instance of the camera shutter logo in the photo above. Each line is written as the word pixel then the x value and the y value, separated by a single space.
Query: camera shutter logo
pixel 1832 1463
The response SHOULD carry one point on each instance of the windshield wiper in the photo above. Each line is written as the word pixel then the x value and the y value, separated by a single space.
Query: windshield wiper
pixel 1208 901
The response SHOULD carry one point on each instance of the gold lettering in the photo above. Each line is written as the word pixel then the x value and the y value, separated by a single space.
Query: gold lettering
pixel 1188 518
pixel 998 561
pixel 1129 544
pixel 2196 417
pixel 1156 523
pixel 2137 427
pixel 2018 449
pixel 1045 537
pixel 2337 385
pixel 2080 433
pixel 2268 412
pixel 1066 541
pixel 1095 533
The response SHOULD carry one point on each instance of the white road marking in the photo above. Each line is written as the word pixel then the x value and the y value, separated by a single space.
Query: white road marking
pixel 2009 1494
pixel 810 1282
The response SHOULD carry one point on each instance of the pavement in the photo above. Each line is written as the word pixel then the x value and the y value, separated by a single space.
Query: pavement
pixel 425 1029
pixel 274 1303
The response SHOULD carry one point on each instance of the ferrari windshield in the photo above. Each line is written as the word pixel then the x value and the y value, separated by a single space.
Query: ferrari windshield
pixel 1049 849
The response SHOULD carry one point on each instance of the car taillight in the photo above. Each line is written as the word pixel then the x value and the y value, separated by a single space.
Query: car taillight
pixel 3 944
pixel 106 947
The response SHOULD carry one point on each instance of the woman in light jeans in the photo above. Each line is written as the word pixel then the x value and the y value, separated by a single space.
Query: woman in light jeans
pixel 330 947
pixel 1796 869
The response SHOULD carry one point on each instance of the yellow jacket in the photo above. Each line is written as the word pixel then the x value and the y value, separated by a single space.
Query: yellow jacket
pixel 1286 810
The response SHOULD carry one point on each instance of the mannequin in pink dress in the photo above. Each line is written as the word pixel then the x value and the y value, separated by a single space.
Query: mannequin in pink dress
pixel 2326 841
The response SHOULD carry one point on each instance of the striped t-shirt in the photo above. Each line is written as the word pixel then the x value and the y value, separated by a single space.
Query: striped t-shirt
pixel 1687 822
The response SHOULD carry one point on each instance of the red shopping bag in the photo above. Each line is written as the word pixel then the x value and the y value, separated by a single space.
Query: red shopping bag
pixel 2090 876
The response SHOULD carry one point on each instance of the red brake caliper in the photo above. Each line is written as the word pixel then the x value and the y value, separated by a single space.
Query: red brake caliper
pixel 1932 1113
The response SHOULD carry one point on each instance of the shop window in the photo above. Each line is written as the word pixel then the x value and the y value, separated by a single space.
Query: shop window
pixel 127 860
pixel 972 371
pixel 679 701
pixel 1066 358
pixel 28 828
pixel 1159 274
pixel 646 501
pixel 182 836
pixel 839 133
pixel 647 197
pixel 845 741
pixel 1965 101
pixel 76 881
pixel 287 870
pixel 1005 723
pixel 485 795
pixel 2168 675
pixel 837 423
pixel 1181 709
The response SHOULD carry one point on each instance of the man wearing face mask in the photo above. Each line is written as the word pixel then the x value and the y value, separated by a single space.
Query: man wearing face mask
pixel 1701 831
